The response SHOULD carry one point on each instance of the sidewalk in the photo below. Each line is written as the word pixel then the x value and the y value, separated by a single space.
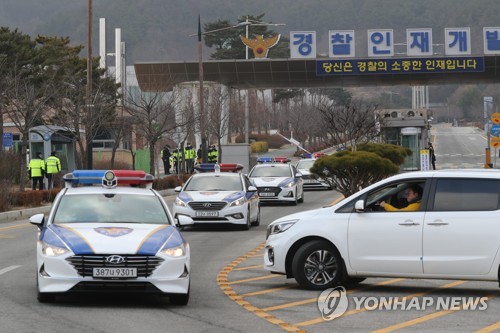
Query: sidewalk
pixel 26 213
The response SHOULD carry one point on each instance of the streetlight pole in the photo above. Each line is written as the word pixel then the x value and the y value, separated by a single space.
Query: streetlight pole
pixel 201 97
pixel 201 78
pixel 89 81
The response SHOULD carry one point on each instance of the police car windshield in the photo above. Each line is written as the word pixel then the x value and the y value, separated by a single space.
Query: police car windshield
pixel 215 183
pixel 117 208
pixel 271 171
pixel 305 165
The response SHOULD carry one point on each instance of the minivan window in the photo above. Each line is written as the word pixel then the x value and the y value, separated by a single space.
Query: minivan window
pixel 466 195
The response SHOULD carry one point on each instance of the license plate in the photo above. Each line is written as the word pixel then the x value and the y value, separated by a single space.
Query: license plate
pixel 114 272
pixel 266 194
pixel 207 214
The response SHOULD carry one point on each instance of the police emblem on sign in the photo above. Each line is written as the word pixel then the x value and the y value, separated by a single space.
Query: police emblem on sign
pixel 113 231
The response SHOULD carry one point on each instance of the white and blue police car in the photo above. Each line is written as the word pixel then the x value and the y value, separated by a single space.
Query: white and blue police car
pixel 218 194
pixel 105 237
pixel 278 182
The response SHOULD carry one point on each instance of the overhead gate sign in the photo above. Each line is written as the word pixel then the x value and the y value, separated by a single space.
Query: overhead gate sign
pixel 400 66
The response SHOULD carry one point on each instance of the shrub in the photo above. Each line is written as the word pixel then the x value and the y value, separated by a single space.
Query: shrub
pixel 28 198
pixel 106 165
pixel 259 147
pixel 171 181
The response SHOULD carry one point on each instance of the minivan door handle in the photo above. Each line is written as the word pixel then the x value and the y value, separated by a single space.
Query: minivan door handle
pixel 437 223
pixel 408 223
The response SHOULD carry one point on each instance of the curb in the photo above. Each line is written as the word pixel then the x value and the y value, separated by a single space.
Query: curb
pixel 26 213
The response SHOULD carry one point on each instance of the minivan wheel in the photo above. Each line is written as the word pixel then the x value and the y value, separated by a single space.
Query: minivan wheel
pixel 317 265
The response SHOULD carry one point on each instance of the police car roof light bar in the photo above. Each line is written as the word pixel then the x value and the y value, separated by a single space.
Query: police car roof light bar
pixel 224 167
pixel 108 178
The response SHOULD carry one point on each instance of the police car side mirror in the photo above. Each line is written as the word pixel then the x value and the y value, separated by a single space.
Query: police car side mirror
pixel 178 189
pixel 37 220
pixel 184 220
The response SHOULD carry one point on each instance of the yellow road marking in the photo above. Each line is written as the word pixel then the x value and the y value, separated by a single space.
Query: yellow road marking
pixel 248 268
pixel 314 300
pixel 490 328
pixel 15 227
pixel 255 255
pixel 270 276
pixel 267 291
pixel 423 318
pixel 348 313
pixel 222 281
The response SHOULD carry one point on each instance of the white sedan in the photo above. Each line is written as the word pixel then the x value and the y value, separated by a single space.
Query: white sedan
pixel 218 197
pixel 110 238
pixel 451 232
pixel 278 182
pixel 311 182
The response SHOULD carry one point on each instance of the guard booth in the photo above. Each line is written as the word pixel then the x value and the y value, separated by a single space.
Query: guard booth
pixel 48 138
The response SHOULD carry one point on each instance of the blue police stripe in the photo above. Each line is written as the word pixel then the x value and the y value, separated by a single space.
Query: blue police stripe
pixel 153 244
pixel 50 237
pixel 76 243
pixel 185 197
pixel 286 181
pixel 233 196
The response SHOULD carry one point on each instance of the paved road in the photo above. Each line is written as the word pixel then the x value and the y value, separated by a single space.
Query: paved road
pixel 231 291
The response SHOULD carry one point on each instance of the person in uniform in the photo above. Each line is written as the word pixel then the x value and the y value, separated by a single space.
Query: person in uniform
pixel 190 156
pixel 165 157
pixel 36 171
pixel 52 168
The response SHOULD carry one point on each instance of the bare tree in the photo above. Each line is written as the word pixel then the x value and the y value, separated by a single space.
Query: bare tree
pixel 218 115
pixel 350 124
pixel 153 115
pixel 86 121
pixel 27 99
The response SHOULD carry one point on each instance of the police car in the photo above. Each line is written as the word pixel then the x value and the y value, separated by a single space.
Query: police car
pixel 218 197
pixel 277 182
pixel 311 181
pixel 111 238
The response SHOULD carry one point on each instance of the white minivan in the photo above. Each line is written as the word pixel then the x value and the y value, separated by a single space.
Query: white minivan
pixel 454 234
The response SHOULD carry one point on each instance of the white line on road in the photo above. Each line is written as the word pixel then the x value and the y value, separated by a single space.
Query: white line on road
pixel 8 269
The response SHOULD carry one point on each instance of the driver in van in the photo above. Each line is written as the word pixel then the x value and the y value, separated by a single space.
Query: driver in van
pixel 413 196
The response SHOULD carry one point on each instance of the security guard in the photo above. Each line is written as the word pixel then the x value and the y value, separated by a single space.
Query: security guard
pixel 52 167
pixel 166 158
pixel 36 171
pixel 213 154
pixel 190 156
pixel 177 156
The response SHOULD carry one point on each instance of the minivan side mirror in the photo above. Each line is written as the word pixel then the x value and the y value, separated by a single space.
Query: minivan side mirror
pixel 359 206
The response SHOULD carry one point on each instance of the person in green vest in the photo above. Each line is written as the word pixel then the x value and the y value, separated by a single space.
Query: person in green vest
pixel 36 171
pixel 213 154
pixel 176 154
pixel 190 156
pixel 52 168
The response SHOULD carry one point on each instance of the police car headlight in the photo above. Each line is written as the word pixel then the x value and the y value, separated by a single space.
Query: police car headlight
pixel 176 251
pixel 52 250
pixel 238 202
pixel 277 228
pixel 289 184
pixel 179 202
